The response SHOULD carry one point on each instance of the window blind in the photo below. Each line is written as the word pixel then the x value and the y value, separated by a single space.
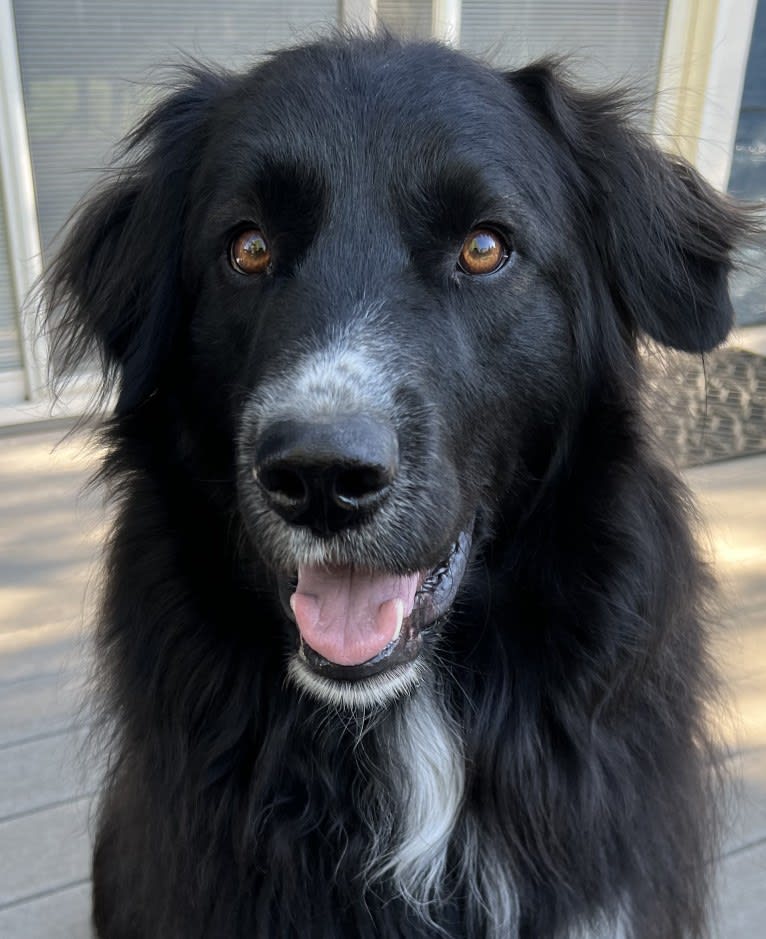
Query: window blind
pixel 607 40
pixel 87 67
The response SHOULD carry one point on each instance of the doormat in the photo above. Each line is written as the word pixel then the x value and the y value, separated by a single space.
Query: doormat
pixel 710 407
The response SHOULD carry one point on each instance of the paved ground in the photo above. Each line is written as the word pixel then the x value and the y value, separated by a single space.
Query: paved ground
pixel 48 537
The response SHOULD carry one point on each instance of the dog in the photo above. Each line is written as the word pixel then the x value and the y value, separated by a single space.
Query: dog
pixel 404 630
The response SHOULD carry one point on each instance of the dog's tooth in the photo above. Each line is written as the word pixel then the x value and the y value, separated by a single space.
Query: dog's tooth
pixel 399 617
pixel 393 608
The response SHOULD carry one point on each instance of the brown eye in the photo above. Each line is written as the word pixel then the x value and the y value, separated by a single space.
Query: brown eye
pixel 483 252
pixel 250 253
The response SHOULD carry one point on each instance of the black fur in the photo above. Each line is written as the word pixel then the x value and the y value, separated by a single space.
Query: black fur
pixel 573 670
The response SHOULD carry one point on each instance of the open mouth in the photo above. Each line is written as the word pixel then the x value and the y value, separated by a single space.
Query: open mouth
pixel 354 624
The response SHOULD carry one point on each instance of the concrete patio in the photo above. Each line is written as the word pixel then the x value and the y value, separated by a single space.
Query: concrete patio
pixel 50 534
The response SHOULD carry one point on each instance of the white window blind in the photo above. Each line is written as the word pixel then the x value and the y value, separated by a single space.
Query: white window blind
pixel 86 64
pixel 607 40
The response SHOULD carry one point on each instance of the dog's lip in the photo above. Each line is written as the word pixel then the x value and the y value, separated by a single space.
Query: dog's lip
pixel 434 597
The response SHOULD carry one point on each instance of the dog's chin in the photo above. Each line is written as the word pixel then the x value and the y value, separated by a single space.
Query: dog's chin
pixel 360 695
pixel 398 668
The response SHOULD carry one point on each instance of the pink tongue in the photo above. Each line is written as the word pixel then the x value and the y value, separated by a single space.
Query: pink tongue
pixel 349 616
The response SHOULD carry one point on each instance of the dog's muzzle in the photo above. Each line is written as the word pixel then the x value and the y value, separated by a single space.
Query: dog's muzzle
pixel 329 476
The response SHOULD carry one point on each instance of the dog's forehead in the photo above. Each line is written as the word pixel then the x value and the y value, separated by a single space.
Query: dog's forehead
pixel 323 105
pixel 386 131
pixel 372 82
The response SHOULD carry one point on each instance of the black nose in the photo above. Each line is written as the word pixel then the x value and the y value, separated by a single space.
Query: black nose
pixel 326 475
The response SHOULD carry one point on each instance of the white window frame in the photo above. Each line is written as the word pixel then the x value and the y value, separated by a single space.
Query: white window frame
pixel 726 82
pixel 24 252
pixel 358 14
pixel 445 17
pixel 702 75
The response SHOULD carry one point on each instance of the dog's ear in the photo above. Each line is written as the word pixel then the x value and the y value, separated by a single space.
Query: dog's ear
pixel 114 287
pixel 662 235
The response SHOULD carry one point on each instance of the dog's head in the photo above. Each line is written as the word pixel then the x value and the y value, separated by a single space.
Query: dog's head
pixel 380 282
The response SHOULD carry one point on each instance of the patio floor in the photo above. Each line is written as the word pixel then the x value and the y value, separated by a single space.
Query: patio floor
pixel 49 535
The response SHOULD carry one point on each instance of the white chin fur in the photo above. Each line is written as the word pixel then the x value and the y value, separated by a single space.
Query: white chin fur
pixel 366 694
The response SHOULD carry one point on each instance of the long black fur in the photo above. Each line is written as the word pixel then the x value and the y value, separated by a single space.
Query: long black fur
pixel 574 669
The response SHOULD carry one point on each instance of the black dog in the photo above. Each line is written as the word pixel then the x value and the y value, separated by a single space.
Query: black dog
pixel 404 630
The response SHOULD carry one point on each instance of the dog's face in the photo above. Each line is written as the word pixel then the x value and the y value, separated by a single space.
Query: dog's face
pixel 370 270
pixel 383 273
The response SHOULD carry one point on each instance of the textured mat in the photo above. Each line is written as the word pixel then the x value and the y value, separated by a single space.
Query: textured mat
pixel 709 408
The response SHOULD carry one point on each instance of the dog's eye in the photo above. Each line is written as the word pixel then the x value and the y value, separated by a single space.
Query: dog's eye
pixel 249 252
pixel 483 252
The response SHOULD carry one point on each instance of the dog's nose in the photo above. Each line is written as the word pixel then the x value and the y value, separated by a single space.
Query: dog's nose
pixel 326 475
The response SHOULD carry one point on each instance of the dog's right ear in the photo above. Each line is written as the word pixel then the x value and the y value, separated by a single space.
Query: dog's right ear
pixel 114 287
pixel 664 239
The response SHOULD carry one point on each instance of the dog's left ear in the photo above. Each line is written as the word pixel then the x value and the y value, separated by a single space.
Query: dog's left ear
pixel 113 291
pixel 663 236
